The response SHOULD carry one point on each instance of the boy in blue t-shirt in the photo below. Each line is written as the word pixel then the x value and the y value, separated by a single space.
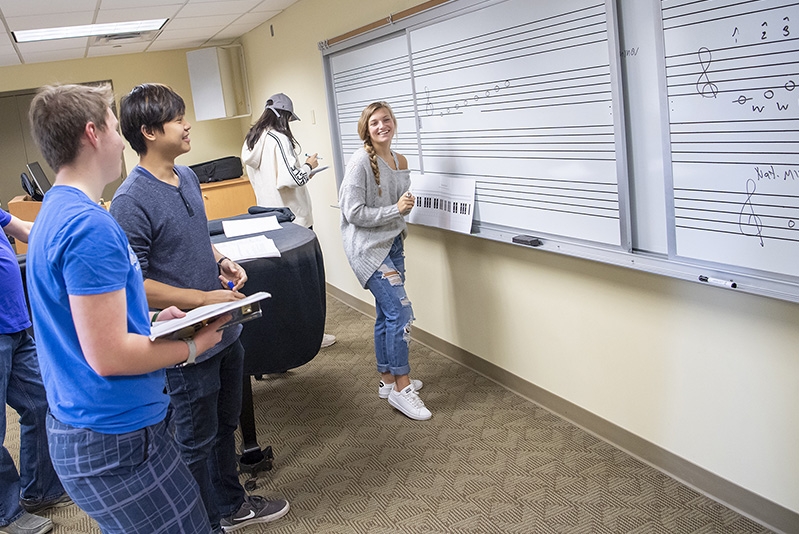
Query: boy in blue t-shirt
pixel 108 425
pixel 36 486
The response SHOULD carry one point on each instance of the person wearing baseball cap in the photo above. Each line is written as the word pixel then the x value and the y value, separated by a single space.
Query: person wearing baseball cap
pixel 271 156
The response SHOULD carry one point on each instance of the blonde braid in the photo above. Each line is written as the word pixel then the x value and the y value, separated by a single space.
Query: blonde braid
pixel 367 145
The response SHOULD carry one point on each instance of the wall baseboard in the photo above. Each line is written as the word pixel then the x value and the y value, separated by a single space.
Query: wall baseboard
pixel 743 501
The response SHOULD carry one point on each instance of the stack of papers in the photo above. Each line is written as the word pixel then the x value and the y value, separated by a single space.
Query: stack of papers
pixel 251 247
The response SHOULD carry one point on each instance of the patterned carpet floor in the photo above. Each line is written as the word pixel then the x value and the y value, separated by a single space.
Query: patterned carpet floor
pixel 488 461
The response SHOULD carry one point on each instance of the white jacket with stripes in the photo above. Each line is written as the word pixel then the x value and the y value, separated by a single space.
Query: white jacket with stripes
pixel 277 177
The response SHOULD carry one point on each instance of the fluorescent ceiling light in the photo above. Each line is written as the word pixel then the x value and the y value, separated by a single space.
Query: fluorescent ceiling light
pixel 88 30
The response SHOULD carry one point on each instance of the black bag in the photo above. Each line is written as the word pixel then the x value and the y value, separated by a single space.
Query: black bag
pixel 217 170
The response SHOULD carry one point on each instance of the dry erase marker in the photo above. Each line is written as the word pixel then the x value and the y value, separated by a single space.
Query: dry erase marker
pixel 718 282
pixel 230 284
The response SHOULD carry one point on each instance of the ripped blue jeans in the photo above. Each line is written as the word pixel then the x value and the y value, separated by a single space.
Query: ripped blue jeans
pixel 394 312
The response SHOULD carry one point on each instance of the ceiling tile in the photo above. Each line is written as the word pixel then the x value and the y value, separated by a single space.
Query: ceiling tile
pixel 54 55
pixel 234 31
pixel 18 8
pixel 184 33
pixel 256 19
pixel 218 22
pixel 204 9
pixel 125 15
pixel 273 5
pixel 134 4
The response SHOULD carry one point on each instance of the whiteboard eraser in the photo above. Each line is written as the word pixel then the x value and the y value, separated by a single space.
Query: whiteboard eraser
pixel 527 240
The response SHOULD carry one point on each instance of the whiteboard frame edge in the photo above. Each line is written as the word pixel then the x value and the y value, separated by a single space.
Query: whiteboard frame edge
pixel 652 263
pixel 619 124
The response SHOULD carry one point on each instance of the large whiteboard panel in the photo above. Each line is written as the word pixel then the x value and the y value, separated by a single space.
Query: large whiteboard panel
pixel 517 95
pixel 732 68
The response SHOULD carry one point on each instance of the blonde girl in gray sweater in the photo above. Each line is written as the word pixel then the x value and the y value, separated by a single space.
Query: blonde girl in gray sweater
pixel 374 199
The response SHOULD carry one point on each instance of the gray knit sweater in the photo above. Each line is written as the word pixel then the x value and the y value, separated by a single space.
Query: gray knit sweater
pixel 370 222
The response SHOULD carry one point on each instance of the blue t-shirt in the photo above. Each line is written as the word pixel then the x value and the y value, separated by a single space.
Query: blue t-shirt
pixel 14 317
pixel 77 248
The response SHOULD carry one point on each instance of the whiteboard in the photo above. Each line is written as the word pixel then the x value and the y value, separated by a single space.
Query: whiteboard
pixel 516 95
pixel 732 70
pixel 543 103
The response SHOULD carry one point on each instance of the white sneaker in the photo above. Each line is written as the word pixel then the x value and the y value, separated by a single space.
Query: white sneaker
pixel 409 403
pixel 327 340
pixel 385 389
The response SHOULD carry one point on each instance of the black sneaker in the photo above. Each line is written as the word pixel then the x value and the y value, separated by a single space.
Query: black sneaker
pixel 256 509
pixel 36 507
pixel 28 524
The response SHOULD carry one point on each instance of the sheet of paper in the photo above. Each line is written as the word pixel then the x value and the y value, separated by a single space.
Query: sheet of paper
pixel 443 202
pixel 253 225
pixel 258 246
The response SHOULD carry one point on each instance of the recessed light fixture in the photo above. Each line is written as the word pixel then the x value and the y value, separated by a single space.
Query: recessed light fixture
pixel 87 30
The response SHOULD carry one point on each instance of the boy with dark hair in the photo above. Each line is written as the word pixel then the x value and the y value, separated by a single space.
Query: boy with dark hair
pixel 161 209
pixel 108 428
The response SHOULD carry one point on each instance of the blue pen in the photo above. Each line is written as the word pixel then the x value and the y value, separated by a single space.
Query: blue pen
pixel 231 285
pixel 308 156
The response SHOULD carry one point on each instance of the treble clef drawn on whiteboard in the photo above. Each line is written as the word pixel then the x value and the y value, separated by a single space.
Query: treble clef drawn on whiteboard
pixel 753 225
pixel 704 86
pixel 428 106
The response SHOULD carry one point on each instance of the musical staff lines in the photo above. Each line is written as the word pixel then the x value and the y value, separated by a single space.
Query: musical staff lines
pixel 393 69
pixel 745 142
pixel 736 71
pixel 732 70
pixel 755 216
pixel 587 199
pixel 538 46
pixel 681 13
pixel 559 32
pixel 584 85
pixel 575 142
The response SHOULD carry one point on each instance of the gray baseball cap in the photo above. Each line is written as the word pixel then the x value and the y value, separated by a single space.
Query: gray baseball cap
pixel 281 101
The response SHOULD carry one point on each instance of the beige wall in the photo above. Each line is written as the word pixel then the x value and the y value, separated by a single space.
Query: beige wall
pixel 210 139
pixel 708 374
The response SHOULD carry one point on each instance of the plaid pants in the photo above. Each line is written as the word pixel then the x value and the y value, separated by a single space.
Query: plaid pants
pixel 128 483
